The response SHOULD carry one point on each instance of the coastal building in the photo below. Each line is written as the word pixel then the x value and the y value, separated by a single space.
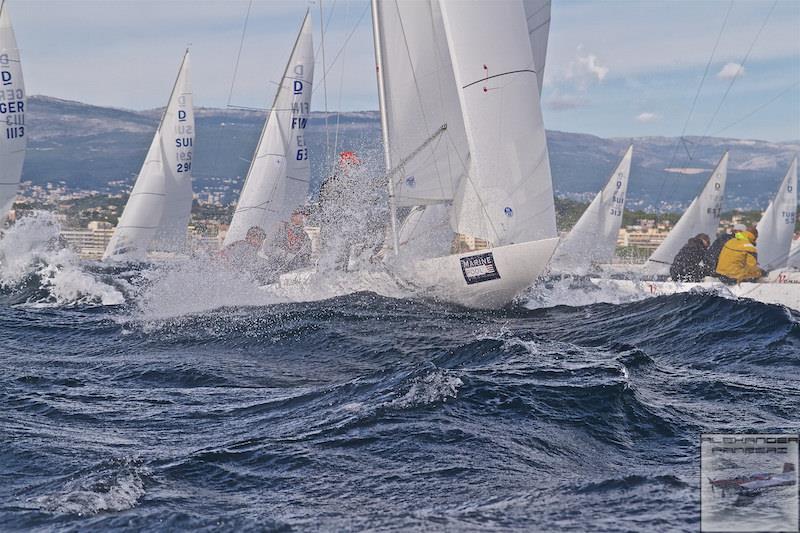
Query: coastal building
pixel 89 243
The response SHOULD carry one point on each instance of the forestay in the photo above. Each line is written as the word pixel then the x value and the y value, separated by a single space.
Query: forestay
pixel 419 97
pixel 702 216
pixel 507 195
pixel 594 237
pixel 278 178
pixel 13 102
pixel 776 227
pixel 157 212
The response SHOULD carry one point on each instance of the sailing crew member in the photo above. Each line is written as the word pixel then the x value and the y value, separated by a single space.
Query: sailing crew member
pixel 293 247
pixel 340 212
pixel 738 260
pixel 243 254
pixel 712 255
pixel 689 264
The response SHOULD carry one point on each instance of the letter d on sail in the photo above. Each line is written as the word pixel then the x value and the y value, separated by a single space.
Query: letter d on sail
pixel 298 87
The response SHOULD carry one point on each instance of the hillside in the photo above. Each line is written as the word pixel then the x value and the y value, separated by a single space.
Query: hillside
pixel 91 147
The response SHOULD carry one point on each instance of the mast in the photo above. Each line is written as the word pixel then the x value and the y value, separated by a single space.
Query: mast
pixel 376 35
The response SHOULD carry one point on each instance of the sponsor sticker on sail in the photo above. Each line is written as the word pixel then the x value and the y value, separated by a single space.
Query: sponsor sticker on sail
pixel 478 268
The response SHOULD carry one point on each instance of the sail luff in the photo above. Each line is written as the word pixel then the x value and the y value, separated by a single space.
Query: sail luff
pixel 14 137
pixel 776 227
pixel 593 238
pixel 267 198
pixel 702 216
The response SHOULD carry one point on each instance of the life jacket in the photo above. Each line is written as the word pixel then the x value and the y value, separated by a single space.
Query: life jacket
pixel 738 259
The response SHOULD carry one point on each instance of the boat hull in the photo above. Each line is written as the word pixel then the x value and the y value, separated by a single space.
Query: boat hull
pixel 785 292
pixel 483 279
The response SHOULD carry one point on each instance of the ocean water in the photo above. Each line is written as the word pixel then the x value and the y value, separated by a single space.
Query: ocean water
pixel 133 399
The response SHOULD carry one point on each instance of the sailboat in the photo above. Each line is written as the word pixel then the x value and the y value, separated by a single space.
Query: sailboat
pixel 14 137
pixel 702 216
pixel 594 237
pixel 776 227
pixel 781 286
pixel 279 174
pixel 464 142
pixel 156 216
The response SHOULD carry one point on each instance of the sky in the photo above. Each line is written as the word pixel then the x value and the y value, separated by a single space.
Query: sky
pixel 614 68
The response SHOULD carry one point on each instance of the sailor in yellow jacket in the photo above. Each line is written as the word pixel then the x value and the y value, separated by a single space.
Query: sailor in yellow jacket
pixel 738 260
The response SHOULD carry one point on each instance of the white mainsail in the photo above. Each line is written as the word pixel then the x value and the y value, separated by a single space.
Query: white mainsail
pixel 157 212
pixel 702 216
pixel 776 227
pixel 593 238
pixel 14 137
pixel 278 178
pixel 507 194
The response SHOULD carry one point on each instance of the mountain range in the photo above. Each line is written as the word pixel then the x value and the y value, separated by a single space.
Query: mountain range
pixel 101 148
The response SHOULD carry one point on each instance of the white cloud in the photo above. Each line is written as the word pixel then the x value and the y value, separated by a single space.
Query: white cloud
pixel 585 70
pixel 730 71
pixel 590 65
pixel 647 118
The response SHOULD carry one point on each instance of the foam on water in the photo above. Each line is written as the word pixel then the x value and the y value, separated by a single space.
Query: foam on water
pixel 113 487
pixel 30 252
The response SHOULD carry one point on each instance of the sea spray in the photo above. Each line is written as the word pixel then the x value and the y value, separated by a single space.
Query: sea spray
pixel 37 268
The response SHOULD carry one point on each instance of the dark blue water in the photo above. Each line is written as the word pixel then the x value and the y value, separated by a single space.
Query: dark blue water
pixel 364 412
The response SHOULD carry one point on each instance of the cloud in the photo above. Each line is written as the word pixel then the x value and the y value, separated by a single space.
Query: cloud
pixel 730 71
pixel 585 70
pixel 590 65
pixel 647 118
pixel 565 102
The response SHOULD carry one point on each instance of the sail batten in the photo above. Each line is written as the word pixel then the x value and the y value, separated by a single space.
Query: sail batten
pixel 158 209
pixel 776 227
pixel 279 173
pixel 14 134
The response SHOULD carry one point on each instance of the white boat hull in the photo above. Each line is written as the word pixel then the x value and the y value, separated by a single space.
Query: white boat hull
pixel 778 290
pixel 483 279
pixel 463 280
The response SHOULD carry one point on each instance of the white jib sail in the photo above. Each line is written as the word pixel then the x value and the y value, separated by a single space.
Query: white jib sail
pixel 776 227
pixel 507 195
pixel 702 216
pixel 593 238
pixel 278 178
pixel 158 209
pixel 13 102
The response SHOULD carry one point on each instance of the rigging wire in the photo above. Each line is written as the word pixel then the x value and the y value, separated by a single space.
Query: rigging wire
pixel 339 104
pixel 741 68
pixel 756 110
pixel 220 129
pixel 681 141
pixel 324 81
